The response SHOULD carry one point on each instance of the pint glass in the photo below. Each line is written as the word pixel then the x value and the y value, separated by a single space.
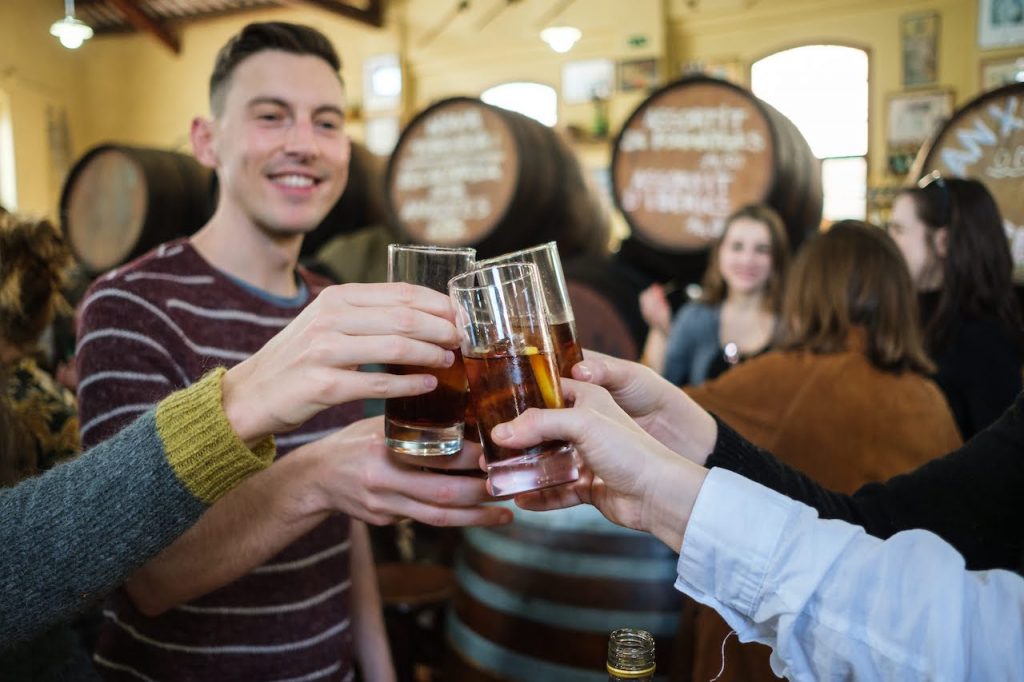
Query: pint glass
pixel 511 366
pixel 432 423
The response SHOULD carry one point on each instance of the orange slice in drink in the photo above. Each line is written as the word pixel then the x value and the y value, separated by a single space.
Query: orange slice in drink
pixel 544 373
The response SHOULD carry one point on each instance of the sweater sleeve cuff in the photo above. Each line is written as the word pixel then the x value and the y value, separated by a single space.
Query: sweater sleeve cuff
pixel 200 445
pixel 730 447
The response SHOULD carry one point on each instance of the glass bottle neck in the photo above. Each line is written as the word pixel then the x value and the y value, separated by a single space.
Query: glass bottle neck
pixel 630 655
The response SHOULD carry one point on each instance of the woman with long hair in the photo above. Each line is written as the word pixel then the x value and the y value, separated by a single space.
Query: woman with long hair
pixel 736 314
pixel 951 234
pixel 844 397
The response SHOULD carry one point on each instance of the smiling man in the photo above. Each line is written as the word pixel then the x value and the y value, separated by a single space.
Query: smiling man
pixel 272 583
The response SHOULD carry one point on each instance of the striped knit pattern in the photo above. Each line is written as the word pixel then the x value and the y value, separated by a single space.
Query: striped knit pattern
pixel 151 327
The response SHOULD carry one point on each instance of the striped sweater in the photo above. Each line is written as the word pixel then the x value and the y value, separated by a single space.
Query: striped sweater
pixel 146 329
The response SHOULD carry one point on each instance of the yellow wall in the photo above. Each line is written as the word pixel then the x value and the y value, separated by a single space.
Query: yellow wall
pixel 141 93
pixel 35 73
pixel 129 88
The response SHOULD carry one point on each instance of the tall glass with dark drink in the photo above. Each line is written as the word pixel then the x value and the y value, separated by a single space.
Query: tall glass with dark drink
pixel 432 423
pixel 558 307
pixel 511 366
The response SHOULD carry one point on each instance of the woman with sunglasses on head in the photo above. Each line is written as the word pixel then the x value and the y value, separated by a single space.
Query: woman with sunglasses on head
pixel 735 317
pixel 951 234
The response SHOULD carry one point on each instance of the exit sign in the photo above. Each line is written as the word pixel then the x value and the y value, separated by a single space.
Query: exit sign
pixel 637 41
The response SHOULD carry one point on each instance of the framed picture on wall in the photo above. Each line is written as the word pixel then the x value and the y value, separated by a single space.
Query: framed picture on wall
pixel 1000 23
pixel 914 116
pixel 996 73
pixel 638 74
pixel 919 41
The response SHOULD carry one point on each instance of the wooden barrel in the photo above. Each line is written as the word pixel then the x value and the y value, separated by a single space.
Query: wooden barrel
pixel 984 140
pixel 118 202
pixel 466 173
pixel 537 599
pixel 691 154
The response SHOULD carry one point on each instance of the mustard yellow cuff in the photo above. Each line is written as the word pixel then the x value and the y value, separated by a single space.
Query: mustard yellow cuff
pixel 200 445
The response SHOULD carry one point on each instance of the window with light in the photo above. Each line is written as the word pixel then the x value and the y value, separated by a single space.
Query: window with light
pixel 823 90
pixel 536 100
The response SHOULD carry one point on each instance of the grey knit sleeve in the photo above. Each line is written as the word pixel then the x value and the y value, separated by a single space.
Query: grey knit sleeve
pixel 75 533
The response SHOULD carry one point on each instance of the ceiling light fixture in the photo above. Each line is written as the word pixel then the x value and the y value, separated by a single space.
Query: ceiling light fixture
pixel 70 31
pixel 560 38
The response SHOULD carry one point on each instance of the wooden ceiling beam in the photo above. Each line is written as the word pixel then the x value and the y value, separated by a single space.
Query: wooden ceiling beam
pixel 373 15
pixel 553 13
pixel 143 22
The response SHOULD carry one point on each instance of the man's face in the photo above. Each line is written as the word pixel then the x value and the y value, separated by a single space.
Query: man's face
pixel 279 144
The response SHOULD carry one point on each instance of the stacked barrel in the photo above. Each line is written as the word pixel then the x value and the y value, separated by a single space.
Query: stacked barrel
pixel 692 153
pixel 465 173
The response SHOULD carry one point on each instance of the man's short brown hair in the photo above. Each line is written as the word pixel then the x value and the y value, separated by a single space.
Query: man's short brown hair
pixel 259 37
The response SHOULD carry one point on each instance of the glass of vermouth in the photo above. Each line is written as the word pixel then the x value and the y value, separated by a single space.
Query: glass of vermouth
pixel 431 423
pixel 558 307
pixel 511 366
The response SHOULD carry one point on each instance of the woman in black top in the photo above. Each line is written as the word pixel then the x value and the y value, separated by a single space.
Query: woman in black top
pixel 972 497
pixel 951 235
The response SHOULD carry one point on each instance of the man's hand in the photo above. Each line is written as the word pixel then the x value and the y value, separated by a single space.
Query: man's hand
pixel 348 471
pixel 629 476
pixel 353 472
pixel 313 363
pixel 660 408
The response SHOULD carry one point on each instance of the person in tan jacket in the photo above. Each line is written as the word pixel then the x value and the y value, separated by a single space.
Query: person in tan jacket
pixel 845 399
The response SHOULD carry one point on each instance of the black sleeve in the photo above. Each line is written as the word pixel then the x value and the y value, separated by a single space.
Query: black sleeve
pixel 973 497
pixel 980 375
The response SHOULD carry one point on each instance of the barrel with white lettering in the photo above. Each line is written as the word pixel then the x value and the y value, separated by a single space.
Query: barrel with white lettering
pixel 691 154
pixel 465 173
pixel 984 140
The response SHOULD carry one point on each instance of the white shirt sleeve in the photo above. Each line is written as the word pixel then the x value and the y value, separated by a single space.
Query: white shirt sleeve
pixel 837 604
